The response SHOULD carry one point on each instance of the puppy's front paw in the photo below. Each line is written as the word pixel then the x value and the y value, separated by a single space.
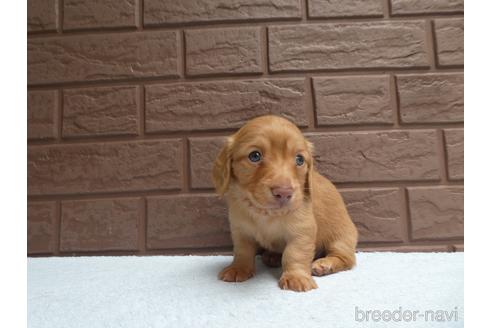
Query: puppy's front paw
pixel 236 274
pixel 297 282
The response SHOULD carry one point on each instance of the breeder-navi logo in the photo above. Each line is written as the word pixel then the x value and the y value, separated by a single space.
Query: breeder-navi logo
pixel 405 315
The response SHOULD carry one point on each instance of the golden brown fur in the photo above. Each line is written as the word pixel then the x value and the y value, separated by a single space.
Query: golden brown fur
pixel 281 206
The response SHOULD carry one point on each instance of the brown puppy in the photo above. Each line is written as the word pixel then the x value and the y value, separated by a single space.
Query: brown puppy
pixel 279 202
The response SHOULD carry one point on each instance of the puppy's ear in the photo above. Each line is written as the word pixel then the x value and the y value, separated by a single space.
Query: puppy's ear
pixel 309 176
pixel 223 168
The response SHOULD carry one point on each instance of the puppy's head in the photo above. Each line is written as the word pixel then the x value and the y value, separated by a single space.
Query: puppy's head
pixel 270 162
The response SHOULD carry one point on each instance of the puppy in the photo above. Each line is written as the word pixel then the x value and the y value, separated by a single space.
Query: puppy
pixel 278 201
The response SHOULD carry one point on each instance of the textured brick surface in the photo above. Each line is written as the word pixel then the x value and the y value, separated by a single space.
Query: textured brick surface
pixel 101 57
pixel 129 102
pixel 41 15
pixel 203 152
pixel 197 221
pixel 345 8
pixel 377 156
pixel 159 12
pixel 80 14
pixel 347 45
pixel 376 213
pixel 431 98
pixel 455 148
pixel 436 212
pixel 123 166
pixel 220 105
pixel 230 50
pixel 100 111
pixel 450 41
pixel 41 114
pixel 41 217
pixel 405 7
pixel 93 225
pixel 352 100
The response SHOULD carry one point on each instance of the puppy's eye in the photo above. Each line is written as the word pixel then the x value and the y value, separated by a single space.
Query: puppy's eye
pixel 299 160
pixel 254 156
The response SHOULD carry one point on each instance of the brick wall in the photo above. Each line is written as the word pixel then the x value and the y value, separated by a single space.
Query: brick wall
pixel 129 101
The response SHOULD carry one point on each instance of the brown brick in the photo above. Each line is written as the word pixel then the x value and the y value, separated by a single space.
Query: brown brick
pixel 164 12
pixel 222 105
pixel 376 213
pixel 352 100
pixel 224 50
pixel 436 212
pixel 377 156
pixel 41 217
pixel 203 152
pixel 406 249
pixel 41 114
pixel 449 41
pixel 345 8
pixel 41 15
pixel 198 221
pixel 121 166
pixel 432 98
pixel 347 46
pixel 102 57
pixel 99 225
pixel 82 14
pixel 455 150
pixel 409 7
pixel 100 111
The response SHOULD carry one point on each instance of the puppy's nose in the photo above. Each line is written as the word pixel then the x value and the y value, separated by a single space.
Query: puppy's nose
pixel 282 194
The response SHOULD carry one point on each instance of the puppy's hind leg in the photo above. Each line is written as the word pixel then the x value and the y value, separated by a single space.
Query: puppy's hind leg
pixel 339 257
pixel 271 259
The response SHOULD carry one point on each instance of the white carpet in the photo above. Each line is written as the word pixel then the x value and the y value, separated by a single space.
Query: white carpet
pixel 183 291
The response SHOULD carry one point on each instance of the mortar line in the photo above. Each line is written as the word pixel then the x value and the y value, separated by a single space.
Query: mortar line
pixel 430 43
pixel 164 80
pixel 57 228
pixel 142 226
pixel 304 10
pixel 342 186
pixel 311 104
pixel 59 115
pixel 139 14
pixel 446 157
pixel 386 8
pixel 224 250
pixel 441 152
pixel 298 21
pixel 186 165
pixel 405 227
pixel 306 129
pixel 59 28
pixel 141 110
pixel 227 250
pixel 435 49
pixel 181 55
pixel 264 50
pixel 394 102
pixel 418 243
pixel 408 214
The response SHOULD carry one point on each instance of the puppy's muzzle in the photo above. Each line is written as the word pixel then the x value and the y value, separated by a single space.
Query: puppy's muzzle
pixel 282 195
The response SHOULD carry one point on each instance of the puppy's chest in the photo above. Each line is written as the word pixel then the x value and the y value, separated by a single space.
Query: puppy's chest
pixel 269 233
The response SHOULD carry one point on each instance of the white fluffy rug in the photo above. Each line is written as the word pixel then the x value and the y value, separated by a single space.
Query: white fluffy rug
pixel 183 291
